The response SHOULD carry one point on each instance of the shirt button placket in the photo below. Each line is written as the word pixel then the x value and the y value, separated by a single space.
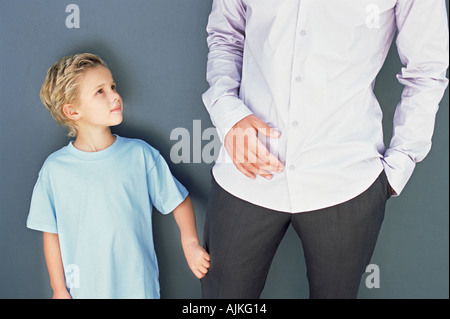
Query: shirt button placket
pixel 296 101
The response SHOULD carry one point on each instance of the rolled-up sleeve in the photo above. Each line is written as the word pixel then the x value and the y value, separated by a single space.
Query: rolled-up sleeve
pixel 423 48
pixel 226 36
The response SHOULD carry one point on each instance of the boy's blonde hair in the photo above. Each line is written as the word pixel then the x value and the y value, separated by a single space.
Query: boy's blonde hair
pixel 60 85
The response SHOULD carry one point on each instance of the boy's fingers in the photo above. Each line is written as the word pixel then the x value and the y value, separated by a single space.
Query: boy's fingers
pixel 205 263
pixel 203 269
pixel 198 274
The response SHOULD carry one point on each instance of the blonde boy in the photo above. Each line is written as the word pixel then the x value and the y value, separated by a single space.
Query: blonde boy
pixel 93 198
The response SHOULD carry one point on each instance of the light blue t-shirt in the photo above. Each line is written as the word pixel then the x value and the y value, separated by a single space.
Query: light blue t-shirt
pixel 100 205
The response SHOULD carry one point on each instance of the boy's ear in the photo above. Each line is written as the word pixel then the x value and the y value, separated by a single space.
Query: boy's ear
pixel 71 112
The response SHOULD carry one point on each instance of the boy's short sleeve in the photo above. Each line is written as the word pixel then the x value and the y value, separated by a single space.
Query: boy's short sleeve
pixel 165 191
pixel 42 214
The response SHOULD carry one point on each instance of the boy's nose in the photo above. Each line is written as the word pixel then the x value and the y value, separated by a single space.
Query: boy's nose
pixel 115 96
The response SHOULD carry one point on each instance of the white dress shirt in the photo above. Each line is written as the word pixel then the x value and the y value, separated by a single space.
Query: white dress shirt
pixel 308 68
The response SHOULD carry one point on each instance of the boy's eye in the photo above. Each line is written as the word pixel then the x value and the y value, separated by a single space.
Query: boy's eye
pixel 113 87
pixel 100 91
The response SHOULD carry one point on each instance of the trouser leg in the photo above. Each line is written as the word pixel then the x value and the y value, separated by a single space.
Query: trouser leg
pixel 338 241
pixel 241 239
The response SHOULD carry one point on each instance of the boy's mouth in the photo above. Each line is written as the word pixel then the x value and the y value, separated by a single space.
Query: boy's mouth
pixel 117 109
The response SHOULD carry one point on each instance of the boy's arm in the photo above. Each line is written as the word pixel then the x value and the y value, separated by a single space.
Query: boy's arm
pixel 196 256
pixel 55 266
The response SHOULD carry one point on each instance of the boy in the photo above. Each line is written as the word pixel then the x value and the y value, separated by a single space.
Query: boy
pixel 93 198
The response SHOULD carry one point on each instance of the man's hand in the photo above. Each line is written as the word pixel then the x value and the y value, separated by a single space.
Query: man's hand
pixel 249 155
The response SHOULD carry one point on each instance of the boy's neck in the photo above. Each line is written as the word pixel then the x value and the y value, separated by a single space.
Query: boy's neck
pixel 94 141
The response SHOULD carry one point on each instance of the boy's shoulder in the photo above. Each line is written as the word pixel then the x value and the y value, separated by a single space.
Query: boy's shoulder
pixel 138 144
pixel 54 160
pixel 140 150
pixel 56 156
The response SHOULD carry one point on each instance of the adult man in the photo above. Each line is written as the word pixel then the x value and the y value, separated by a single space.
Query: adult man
pixel 296 77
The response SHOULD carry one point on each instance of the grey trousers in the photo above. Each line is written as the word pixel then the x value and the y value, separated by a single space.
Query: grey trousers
pixel 338 243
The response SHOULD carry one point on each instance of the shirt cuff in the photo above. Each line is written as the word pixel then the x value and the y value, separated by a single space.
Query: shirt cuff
pixel 398 168
pixel 226 112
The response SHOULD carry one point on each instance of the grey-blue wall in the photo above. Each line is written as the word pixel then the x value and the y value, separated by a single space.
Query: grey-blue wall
pixel 157 52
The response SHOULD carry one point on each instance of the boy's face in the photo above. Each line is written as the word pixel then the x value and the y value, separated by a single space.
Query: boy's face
pixel 99 105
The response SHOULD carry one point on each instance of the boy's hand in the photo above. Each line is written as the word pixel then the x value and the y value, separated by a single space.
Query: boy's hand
pixel 61 294
pixel 197 259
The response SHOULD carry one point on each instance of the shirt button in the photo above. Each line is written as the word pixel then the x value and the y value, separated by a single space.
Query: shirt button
pixel 303 33
pixel 292 167
pixel 295 123
pixel 298 78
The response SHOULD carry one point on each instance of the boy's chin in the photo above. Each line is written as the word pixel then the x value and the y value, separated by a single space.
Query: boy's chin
pixel 117 122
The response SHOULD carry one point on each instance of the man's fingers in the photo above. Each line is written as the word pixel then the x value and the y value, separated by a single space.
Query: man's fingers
pixel 268 131
pixel 250 156
pixel 251 164
pixel 250 170
pixel 266 160
pixel 253 170
pixel 244 171
pixel 264 128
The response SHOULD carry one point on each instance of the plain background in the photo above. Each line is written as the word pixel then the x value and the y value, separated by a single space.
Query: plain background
pixel 157 52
